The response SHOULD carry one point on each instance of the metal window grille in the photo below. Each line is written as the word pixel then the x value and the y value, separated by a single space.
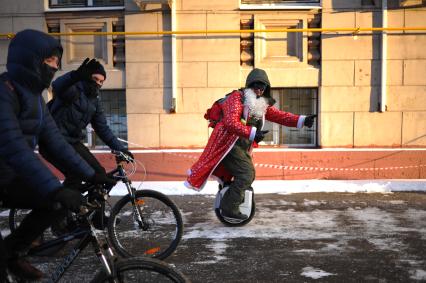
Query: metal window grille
pixel 298 101
pixel 277 1
pixel 84 3
pixel 114 105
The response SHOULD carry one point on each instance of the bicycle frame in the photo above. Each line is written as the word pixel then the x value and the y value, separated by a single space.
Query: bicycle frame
pixel 103 251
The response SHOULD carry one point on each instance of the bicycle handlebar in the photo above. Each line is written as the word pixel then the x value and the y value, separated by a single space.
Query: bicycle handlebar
pixel 121 156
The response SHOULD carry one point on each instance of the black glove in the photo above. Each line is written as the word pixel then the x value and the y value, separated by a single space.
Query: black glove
pixel 128 153
pixel 102 179
pixel 86 70
pixel 260 135
pixel 309 120
pixel 69 198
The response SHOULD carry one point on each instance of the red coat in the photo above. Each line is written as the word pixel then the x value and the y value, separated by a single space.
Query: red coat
pixel 224 136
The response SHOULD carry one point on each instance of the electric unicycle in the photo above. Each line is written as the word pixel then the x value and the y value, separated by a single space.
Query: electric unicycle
pixel 248 207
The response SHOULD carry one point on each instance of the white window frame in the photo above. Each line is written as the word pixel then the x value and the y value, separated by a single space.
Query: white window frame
pixel 296 5
pixel 88 8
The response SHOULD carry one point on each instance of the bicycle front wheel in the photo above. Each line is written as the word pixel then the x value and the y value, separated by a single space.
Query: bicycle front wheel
pixel 142 270
pixel 155 234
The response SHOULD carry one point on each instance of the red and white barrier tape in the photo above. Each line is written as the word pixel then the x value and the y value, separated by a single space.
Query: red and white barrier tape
pixel 306 168
pixel 302 168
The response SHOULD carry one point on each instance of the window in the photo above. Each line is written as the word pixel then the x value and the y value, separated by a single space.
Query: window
pixel 114 105
pixel 280 49
pixel 279 4
pixel 277 1
pixel 84 3
pixel 109 50
pixel 298 101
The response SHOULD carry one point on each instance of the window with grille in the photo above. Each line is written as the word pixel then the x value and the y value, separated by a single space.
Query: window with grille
pixel 298 101
pixel 114 105
pixel 278 1
pixel 84 3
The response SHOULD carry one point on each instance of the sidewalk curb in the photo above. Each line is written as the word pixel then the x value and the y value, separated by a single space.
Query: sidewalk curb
pixel 288 186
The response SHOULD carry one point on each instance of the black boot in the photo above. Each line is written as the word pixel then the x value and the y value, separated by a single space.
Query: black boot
pixel 23 269
pixel 230 204
pixel 235 214
pixel 231 209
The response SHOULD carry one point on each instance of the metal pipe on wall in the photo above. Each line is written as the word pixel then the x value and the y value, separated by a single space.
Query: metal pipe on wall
pixel 173 106
pixel 383 84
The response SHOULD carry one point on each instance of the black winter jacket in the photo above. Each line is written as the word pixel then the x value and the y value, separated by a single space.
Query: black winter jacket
pixel 73 110
pixel 25 121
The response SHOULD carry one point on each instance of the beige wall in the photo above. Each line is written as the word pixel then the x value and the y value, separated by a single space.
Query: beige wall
pixel 209 66
pixel 15 16
pixel 351 76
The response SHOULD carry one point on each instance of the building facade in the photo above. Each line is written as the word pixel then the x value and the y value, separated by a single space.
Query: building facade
pixel 368 90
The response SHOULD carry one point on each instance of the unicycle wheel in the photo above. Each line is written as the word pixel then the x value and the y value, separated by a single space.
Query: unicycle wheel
pixel 232 221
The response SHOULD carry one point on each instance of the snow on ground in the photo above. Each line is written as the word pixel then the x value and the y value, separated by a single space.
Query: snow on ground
pixel 314 273
pixel 287 187
pixel 379 228
pixel 316 224
pixel 418 274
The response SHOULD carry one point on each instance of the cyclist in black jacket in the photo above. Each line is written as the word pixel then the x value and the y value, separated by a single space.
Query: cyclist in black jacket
pixel 25 181
pixel 75 104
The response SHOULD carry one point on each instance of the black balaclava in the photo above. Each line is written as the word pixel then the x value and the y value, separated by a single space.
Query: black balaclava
pixel 92 89
pixel 25 59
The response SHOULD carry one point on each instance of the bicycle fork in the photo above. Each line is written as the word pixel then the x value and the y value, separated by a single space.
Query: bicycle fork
pixel 137 209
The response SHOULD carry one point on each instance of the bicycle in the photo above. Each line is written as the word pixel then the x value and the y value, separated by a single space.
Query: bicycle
pixel 114 270
pixel 142 223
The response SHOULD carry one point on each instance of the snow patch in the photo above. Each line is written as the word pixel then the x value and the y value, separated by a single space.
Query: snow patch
pixel 314 273
pixel 219 248
pixel 307 202
pixel 286 186
pixel 418 274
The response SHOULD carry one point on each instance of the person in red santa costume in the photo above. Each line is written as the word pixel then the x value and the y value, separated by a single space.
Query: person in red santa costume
pixel 227 154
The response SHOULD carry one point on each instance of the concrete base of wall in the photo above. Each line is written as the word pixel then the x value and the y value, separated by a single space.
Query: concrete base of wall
pixel 289 164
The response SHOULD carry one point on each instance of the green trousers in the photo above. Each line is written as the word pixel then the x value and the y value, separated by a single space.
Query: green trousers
pixel 239 163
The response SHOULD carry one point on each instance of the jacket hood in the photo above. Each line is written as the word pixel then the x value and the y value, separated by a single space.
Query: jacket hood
pixel 27 51
pixel 259 75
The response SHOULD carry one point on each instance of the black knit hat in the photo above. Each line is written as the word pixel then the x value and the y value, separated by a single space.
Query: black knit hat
pixel 100 70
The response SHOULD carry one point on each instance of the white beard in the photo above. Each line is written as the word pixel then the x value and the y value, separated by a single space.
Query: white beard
pixel 256 106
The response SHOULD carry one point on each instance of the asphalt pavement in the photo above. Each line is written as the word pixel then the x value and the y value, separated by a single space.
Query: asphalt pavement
pixel 304 237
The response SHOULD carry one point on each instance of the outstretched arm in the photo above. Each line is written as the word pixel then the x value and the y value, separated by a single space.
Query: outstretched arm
pixel 288 119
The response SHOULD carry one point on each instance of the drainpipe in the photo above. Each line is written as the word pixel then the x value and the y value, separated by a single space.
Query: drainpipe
pixel 173 108
pixel 383 91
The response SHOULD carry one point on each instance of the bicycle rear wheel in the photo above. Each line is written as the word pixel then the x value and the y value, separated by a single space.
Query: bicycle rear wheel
pixel 156 235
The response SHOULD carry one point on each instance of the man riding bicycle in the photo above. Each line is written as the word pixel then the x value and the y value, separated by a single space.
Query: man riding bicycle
pixel 75 104
pixel 25 181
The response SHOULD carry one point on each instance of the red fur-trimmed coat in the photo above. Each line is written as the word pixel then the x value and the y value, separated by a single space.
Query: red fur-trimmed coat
pixel 226 133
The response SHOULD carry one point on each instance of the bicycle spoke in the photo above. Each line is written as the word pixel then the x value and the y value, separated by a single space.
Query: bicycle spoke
pixel 155 234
